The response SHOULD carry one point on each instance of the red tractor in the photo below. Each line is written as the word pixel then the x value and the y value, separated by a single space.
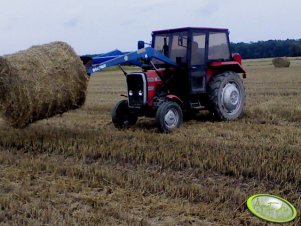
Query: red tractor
pixel 185 70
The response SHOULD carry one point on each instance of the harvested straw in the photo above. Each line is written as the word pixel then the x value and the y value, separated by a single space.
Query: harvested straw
pixel 41 82
pixel 281 62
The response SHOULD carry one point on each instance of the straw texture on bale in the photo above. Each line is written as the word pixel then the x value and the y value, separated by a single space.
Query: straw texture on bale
pixel 281 62
pixel 41 82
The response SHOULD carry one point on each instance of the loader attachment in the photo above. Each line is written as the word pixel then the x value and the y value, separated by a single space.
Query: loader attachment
pixel 87 61
pixel 137 58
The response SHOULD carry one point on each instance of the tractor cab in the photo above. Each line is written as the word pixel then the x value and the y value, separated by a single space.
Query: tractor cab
pixel 190 45
pixel 193 49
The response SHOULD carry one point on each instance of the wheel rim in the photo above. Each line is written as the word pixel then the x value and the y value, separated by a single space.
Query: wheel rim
pixel 231 98
pixel 171 119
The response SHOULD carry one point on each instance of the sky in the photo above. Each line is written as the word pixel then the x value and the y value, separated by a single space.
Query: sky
pixel 98 26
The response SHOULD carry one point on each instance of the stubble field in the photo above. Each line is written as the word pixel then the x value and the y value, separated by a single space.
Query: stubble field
pixel 77 169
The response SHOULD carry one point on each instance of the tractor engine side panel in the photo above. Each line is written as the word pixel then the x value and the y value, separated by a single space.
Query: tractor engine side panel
pixel 153 81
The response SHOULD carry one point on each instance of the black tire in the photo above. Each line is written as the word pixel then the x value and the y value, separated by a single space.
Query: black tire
pixel 122 117
pixel 169 117
pixel 226 96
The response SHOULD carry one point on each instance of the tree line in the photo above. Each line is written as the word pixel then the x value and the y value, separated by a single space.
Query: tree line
pixel 267 49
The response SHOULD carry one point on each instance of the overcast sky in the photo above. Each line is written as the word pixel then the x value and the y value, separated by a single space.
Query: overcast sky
pixel 97 26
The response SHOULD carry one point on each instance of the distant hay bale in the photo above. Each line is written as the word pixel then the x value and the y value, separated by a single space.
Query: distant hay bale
pixel 41 82
pixel 280 62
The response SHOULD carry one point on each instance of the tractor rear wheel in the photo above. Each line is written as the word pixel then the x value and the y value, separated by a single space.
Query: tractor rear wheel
pixel 169 116
pixel 122 117
pixel 226 96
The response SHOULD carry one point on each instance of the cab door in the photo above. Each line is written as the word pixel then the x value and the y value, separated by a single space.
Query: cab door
pixel 198 63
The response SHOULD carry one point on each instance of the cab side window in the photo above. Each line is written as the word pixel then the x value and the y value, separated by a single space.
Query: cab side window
pixel 218 46
pixel 198 49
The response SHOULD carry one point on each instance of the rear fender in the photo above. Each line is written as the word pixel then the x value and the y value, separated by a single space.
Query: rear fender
pixel 219 67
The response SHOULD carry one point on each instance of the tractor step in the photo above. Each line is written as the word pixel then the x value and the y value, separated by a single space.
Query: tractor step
pixel 196 105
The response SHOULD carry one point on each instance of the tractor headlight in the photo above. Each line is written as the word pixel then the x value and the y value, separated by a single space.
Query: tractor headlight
pixel 130 93
pixel 140 93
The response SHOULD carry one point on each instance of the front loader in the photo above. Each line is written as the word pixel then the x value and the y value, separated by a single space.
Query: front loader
pixel 184 70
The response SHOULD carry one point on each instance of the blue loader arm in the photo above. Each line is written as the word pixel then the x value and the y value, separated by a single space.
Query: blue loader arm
pixel 133 58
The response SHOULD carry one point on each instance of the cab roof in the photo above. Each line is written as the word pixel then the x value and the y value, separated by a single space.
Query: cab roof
pixel 200 29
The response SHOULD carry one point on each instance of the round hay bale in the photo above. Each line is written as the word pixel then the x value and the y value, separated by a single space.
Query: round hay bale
pixel 41 82
pixel 280 62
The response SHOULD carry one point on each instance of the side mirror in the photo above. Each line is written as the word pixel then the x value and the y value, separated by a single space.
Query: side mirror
pixel 141 44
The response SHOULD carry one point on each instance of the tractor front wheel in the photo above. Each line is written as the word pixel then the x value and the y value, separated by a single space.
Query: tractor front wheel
pixel 122 117
pixel 226 96
pixel 169 116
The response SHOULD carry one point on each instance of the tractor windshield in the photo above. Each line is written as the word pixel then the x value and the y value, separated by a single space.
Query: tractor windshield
pixel 173 45
pixel 159 42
